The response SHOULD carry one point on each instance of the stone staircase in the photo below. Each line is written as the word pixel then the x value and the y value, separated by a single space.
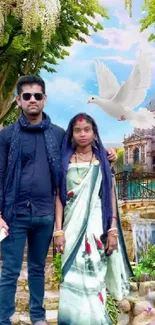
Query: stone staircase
pixel 21 316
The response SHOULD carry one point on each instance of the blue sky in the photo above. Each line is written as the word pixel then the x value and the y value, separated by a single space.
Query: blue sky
pixel 118 46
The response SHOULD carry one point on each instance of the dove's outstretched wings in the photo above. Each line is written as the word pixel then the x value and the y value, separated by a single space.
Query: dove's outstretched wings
pixel 133 91
pixel 107 82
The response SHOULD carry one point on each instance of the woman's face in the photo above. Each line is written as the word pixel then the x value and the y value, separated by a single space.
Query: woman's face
pixel 83 134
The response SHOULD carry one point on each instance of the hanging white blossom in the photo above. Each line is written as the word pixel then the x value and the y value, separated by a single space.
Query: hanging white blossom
pixel 33 13
pixel 128 6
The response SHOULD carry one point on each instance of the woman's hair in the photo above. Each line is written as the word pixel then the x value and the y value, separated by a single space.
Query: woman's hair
pixel 101 155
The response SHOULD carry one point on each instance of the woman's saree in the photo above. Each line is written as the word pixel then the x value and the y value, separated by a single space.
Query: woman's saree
pixel 87 273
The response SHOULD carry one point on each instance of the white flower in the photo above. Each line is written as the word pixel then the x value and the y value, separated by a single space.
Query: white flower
pixel 33 14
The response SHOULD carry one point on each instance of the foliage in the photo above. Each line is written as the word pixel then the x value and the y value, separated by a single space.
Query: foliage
pixel 11 118
pixel 149 19
pixel 57 266
pixel 22 54
pixel 112 309
pixel 32 14
pixel 128 6
pixel 120 160
pixel 147 264
pixel 138 167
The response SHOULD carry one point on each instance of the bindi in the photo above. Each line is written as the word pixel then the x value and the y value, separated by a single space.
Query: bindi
pixel 80 119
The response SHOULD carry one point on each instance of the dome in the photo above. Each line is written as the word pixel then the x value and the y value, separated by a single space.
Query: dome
pixel 151 105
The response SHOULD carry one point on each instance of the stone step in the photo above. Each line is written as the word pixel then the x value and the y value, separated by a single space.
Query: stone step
pixel 21 315
pixel 24 319
pixel 51 300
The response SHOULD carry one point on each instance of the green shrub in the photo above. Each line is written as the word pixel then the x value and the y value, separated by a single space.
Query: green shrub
pixel 112 309
pixel 147 264
pixel 57 266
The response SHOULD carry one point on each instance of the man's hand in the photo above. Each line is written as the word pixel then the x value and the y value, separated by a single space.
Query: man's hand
pixel 3 223
pixel 112 155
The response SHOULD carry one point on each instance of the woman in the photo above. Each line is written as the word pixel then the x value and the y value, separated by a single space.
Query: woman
pixel 88 234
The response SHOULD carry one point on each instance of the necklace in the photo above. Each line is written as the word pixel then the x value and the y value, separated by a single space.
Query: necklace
pixel 82 154
pixel 77 155
pixel 80 179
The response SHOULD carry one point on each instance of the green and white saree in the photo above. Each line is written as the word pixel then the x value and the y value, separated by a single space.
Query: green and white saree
pixel 87 272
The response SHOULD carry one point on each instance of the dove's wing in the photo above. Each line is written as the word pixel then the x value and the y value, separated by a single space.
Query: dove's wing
pixel 107 82
pixel 133 91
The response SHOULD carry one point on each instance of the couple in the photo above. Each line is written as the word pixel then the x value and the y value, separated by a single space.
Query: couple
pixel 76 192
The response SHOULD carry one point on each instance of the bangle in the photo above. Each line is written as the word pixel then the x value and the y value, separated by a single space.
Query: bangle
pixel 111 229
pixel 58 233
pixel 113 234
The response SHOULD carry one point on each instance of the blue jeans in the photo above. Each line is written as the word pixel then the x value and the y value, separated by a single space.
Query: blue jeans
pixel 38 232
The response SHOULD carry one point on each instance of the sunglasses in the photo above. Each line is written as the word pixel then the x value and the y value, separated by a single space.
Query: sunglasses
pixel 37 96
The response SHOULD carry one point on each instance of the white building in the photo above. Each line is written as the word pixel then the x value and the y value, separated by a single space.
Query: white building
pixel 139 147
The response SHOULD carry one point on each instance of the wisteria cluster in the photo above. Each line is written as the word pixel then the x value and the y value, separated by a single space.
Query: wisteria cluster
pixel 128 6
pixel 33 14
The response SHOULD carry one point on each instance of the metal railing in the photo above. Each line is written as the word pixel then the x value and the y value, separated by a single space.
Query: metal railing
pixel 135 185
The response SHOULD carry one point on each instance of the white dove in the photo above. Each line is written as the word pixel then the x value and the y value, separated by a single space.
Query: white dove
pixel 120 100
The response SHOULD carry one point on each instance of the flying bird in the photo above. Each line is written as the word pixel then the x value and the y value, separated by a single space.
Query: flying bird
pixel 119 101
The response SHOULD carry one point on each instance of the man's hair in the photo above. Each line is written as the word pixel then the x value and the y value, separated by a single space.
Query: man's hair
pixel 30 79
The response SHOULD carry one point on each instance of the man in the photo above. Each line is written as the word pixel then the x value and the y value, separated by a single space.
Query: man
pixel 30 173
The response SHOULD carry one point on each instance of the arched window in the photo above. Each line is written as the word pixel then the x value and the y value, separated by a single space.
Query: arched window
pixel 136 156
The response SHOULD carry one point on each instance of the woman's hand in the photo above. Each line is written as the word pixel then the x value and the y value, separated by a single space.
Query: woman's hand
pixel 111 244
pixel 60 244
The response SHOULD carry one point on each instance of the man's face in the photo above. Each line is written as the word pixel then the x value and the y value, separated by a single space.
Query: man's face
pixel 31 100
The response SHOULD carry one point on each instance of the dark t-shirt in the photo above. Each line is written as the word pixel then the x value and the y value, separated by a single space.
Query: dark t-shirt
pixel 36 188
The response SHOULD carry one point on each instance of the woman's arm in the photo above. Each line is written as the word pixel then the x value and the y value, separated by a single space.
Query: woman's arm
pixel 58 233
pixel 114 208
pixel 111 243
pixel 58 213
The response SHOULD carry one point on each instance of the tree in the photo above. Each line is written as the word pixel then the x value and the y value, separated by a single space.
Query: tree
pixel 32 14
pixel 23 52
pixel 149 19
pixel 120 160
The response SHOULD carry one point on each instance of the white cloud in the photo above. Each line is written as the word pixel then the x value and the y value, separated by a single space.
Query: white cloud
pixel 63 87
pixel 68 95
pixel 117 58
pixel 124 40
pixel 123 17
pixel 112 144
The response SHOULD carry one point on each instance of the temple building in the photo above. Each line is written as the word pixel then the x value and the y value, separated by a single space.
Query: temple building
pixel 139 147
